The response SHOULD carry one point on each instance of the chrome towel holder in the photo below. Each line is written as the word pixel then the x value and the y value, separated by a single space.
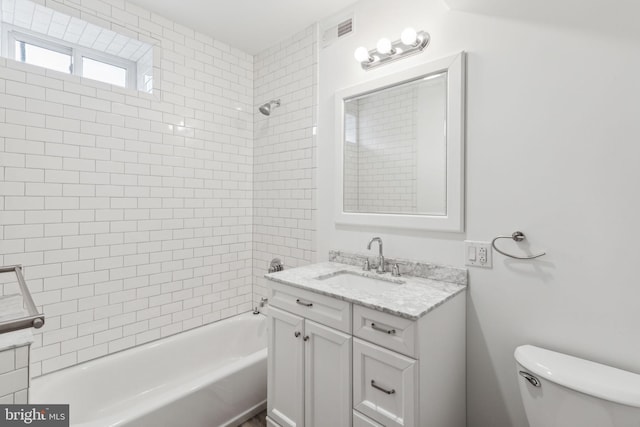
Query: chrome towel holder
pixel 516 236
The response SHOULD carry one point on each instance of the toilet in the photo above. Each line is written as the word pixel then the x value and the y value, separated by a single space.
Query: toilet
pixel 564 391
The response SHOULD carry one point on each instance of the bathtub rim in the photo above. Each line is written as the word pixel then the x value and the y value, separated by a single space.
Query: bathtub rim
pixel 148 343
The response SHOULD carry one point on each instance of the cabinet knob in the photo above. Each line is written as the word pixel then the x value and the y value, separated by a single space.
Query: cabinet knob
pixel 306 338
pixel 296 334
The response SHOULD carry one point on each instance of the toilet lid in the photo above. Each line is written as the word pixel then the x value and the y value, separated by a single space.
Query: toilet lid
pixel 594 379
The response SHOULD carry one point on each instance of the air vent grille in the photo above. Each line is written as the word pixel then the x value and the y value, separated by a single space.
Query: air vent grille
pixel 345 27
pixel 336 28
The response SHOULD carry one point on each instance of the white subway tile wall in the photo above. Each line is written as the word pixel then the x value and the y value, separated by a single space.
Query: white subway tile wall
pixel 132 213
pixel 14 375
pixel 284 152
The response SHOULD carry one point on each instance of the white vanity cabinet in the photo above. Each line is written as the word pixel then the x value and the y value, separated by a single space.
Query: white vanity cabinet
pixel 334 363
pixel 309 363
pixel 409 373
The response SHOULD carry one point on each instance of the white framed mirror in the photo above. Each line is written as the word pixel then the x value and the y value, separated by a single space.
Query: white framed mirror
pixel 400 149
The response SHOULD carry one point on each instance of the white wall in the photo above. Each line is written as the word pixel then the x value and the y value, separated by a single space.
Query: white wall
pixel 551 150
pixel 131 213
pixel 284 145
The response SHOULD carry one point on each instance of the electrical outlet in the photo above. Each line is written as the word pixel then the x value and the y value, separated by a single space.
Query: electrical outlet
pixel 482 255
pixel 478 254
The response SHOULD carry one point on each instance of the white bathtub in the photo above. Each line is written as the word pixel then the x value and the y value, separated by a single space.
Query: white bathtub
pixel 215 375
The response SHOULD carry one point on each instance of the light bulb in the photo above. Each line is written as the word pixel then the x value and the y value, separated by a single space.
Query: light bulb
pixel 384 46
pixel 409 36
pixel 362 54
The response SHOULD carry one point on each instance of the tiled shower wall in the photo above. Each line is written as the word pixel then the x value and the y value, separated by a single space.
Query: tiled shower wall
pixel 284 152
pixel 14 375
pixel 132 213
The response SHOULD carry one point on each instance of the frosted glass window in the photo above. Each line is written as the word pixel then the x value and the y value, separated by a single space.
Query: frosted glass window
pixel 104 72
pixel 43 57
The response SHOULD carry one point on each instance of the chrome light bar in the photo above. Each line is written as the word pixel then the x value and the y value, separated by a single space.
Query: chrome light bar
pixel 386 51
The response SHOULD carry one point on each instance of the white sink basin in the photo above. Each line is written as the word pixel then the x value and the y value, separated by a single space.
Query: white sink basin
pixel 352 280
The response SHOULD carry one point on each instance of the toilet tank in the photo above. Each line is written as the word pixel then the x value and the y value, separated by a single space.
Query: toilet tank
pixel 573 392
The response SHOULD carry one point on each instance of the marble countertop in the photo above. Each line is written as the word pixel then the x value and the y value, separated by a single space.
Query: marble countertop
pixel 412 299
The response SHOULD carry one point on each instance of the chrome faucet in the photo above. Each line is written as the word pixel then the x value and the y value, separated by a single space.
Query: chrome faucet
pixel 380 268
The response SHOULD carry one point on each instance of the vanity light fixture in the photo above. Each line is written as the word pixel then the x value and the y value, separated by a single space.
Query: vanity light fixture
pixel 362 55
pixel 410 43
pixel 385 47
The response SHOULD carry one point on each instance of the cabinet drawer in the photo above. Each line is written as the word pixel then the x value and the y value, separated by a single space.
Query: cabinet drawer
pixel 360 420
pixel 385 385
pixel 271 423
pixel 323 309
pixel 393 332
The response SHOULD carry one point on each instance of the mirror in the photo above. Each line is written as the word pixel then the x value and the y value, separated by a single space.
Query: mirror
pixel 395 149
pixel 401 149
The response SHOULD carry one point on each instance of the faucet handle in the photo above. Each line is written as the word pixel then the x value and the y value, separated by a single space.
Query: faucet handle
pixel 365 265
pixel 395 270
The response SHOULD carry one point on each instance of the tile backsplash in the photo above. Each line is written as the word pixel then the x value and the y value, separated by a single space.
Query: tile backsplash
pixel 415 268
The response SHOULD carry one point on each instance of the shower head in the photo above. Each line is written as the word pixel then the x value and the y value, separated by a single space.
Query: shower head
pixel 266 108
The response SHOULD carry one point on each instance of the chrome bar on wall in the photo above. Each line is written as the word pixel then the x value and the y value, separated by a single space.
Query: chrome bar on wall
pixel 33 319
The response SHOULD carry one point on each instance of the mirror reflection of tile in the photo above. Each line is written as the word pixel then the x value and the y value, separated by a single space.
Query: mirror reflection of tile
pixel 395 149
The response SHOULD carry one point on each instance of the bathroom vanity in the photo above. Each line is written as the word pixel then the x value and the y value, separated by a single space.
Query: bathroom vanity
pixel 349 347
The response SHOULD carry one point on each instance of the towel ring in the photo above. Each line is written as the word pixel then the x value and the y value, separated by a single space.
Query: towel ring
pixel 517 236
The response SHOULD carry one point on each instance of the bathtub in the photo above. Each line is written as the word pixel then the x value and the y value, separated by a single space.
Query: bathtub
pixel 215 375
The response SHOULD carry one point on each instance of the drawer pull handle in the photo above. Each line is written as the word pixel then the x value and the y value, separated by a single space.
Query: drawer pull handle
pixel 386 331
pixel 306 304
pixel 377 387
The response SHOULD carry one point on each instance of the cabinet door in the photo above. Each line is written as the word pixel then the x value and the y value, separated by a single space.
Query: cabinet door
pixel 285 403
pixel 327 377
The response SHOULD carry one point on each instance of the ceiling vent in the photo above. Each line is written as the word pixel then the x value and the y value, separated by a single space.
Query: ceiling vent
pixel 336 29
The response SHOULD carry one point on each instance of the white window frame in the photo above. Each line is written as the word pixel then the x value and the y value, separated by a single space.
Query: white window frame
pixel 12 34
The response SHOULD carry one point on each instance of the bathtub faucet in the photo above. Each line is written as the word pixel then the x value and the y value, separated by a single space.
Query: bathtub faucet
pixel 263 302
